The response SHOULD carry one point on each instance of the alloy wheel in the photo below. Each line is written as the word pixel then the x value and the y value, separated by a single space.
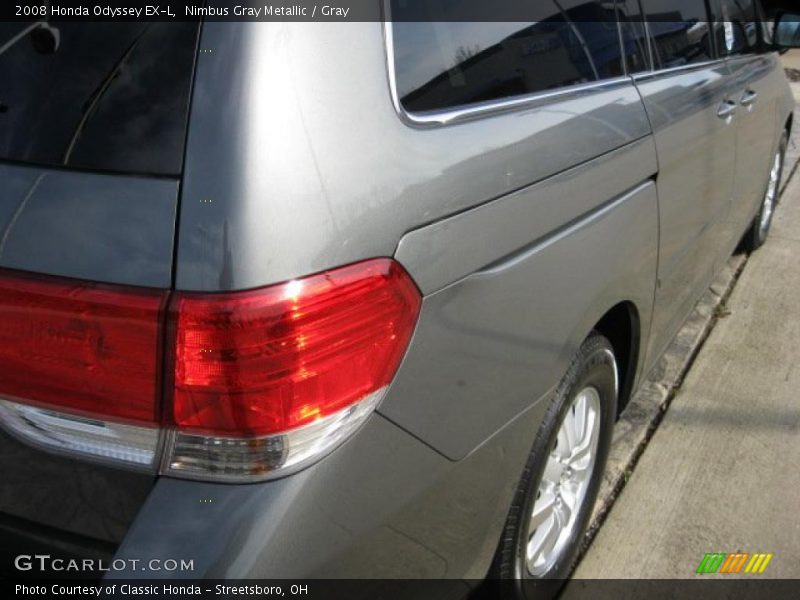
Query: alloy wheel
pixel 565 481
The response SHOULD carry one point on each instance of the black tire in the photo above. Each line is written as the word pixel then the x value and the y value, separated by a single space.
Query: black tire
pixel 593 366
pixel 756 235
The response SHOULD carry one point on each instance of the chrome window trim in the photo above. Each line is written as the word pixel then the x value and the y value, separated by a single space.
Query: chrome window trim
pixel 471 112
pixel 655 74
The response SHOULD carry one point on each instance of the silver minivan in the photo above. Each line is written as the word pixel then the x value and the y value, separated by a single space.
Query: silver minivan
pixel 358 300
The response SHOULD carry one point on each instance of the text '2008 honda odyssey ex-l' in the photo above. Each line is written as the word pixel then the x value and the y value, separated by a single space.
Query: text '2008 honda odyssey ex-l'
pixel 294 300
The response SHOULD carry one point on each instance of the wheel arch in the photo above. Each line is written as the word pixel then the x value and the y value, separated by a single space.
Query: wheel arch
pixel 621 325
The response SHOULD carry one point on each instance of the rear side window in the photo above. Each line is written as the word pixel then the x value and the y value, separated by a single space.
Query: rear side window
pixel 680 31
pixel 445 63
pixel 99 96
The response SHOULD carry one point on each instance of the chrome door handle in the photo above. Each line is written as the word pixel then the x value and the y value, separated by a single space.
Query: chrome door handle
pixel 726 111
pixel 749 98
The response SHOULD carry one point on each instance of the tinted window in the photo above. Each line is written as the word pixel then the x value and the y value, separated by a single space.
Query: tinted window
pixel 739 31
pixel 634 36
pixel 680 32
pixel 105 96
pixel 442 63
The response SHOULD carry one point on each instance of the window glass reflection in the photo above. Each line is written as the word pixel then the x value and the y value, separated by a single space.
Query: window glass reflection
pixel 104 96
pixel 441 63
pixel 680 32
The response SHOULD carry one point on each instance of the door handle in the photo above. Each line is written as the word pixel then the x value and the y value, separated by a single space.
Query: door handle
pixel 749 98
pixel 726 111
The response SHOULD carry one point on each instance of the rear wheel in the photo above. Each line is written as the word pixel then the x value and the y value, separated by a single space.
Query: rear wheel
pixel 558 488
pixel 759 229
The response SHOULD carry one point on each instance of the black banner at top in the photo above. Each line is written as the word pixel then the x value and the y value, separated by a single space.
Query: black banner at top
pixel 330 11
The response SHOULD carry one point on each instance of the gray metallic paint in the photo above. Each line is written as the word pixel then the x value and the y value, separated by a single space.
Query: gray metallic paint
pixel 754 150
pixel 522 227
pixel 275 147
pixel 502 337
pixel 107 228
pixel 383 505
pixel 453 248
pixel 696 158
pixel 67 494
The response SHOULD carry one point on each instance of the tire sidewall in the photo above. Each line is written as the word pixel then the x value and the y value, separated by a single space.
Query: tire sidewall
pixel 595 367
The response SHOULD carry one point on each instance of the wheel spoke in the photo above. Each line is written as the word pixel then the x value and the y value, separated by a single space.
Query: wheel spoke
pixel 569 430
pixel 579 418
pixel 584 414
pixel 553 469
pixel 581 458
pixel 563 449
pixel 564 512
pixel 569 498
pixel 542 508
pixel 540 540
pixel 550 537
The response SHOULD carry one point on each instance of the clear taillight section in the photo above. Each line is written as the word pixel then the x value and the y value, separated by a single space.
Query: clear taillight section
pixel 91 437
pixel 261 382
pixel 253 458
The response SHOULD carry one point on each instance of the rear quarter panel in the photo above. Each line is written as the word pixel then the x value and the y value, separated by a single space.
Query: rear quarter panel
pixel 292 169
pixel 497 341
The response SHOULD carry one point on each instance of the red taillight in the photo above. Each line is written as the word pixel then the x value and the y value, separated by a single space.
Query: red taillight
pixel 273 359
pixel 86 347
pixel 265 381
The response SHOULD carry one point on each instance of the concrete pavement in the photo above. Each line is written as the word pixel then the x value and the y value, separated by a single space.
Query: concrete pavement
pixel 791 60
pixel 721 474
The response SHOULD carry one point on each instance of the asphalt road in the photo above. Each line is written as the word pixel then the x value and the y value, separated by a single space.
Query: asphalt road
pixel 722 471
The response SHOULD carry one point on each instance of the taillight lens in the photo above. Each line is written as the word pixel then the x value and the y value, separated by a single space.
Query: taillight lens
pixel 266 361
pixel 90 348
pixel 269 365
pixel 264 381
